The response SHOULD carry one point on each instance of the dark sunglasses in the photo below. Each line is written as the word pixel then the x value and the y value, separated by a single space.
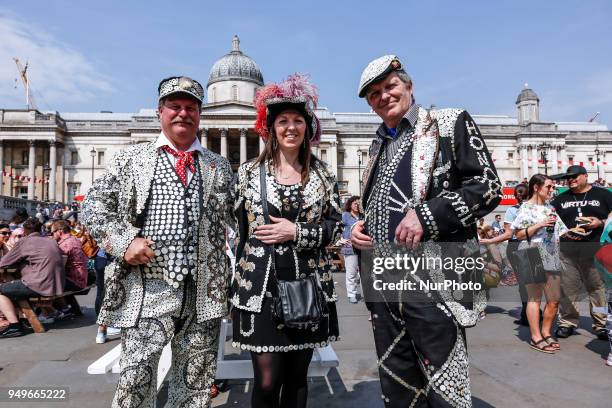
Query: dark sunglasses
pixel 5 232
pixel 573 176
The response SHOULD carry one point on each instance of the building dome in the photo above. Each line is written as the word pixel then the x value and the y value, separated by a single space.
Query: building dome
pixel 527 94
pixel 235 66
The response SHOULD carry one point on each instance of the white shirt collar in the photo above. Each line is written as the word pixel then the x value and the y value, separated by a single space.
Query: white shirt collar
pixel 162 140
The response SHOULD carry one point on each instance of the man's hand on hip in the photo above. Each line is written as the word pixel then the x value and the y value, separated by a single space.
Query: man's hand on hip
pixel 358 238
pixel 409 231
pixel 139 252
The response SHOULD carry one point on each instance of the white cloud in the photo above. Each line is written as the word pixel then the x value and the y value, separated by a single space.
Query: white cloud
pixel 57 72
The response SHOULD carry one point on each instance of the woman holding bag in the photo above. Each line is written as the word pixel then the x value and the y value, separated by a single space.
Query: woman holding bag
pixel 537 226
pixel 287 206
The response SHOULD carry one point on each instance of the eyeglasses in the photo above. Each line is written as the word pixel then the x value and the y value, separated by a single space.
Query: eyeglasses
pixel 5 233
pixel 573 176
pixel 549 187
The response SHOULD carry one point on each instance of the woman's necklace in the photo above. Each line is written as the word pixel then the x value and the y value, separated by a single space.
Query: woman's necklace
pixel 281 175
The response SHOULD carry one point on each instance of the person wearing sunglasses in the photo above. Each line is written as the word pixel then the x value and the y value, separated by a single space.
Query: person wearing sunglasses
pixel 584 209
pixel 5 234
pixel 537 225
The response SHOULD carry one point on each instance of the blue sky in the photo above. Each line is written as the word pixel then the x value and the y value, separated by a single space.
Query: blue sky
pixel 110 55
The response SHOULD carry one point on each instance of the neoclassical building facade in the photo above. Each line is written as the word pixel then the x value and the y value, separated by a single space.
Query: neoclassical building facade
pixel 55 156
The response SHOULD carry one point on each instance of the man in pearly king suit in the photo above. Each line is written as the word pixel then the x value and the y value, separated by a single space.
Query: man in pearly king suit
pixel 161 211
pixel 428 179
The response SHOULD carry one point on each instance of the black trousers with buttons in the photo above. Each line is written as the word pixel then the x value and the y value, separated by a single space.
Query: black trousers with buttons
pixel 422 357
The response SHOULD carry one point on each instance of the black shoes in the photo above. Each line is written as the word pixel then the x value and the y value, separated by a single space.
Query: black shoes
pixel 564 332
pixel 13 330
pixel 602 334
pixel 522 322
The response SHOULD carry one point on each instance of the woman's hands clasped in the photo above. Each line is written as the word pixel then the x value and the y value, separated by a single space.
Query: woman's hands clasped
pixel 281 230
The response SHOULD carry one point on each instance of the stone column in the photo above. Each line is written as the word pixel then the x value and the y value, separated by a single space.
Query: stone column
pixel 243 145
pixel 224 142
pixel 524 164
pixel 333 157
pixel 53 165
pixel 564 161
pixel 553 158
pixel 2 168
pixel 534 159
pixel 204 141
pixel 31 168
pixel 9 181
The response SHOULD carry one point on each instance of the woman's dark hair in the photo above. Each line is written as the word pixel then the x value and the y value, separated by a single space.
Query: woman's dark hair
pixel 31 225
pixel 520 192
pixel 536 180
pixel 305 156
pixel 349 202
pixel 4 225
pixel 20 216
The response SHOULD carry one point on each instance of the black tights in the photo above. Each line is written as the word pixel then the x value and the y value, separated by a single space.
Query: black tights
pixel 280 371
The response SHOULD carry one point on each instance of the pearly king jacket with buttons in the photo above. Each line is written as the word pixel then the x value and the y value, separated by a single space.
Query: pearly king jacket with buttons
pixel 319 224
pixel 441 168
pixel 113 210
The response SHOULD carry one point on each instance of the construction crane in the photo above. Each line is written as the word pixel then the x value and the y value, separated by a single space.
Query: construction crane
pixel 23 72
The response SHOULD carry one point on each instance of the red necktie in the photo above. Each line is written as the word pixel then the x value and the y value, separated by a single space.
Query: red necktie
pixel 183 160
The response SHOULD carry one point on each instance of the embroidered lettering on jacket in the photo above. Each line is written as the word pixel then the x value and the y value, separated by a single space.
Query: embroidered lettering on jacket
pixel 488 175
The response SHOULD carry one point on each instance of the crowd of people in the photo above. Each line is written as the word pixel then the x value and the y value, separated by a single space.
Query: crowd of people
pixel 47 255
pixel 569 232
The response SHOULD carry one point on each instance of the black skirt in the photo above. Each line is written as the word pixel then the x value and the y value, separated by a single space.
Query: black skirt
pixel 258 332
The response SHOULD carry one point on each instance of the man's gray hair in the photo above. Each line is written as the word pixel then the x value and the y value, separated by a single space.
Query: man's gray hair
pixel 403 75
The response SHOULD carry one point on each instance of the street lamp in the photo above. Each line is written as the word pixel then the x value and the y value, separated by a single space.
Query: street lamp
pixel 359 164
pixel 597 153
pixel 544 155
pixel 46 169
pixel 93 156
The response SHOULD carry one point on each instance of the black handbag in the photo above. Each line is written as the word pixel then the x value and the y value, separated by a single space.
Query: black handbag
pixel 298 304
pixel 529 265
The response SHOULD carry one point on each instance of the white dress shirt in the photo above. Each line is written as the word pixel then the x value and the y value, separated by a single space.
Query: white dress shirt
pixel 162 140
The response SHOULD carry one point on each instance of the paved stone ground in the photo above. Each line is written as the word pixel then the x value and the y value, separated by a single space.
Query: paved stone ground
pixel 505 372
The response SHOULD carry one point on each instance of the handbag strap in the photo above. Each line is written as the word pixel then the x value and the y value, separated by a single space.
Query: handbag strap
pixel 527 235
pixel 264 204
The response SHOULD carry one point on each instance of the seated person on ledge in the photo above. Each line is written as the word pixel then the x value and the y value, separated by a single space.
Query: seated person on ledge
pixel 42 274
pixel 76 263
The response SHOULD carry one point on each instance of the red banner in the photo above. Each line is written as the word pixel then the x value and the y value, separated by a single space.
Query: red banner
pixel 508 197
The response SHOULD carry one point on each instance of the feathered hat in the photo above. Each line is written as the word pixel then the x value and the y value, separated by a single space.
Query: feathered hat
pixel 297 93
